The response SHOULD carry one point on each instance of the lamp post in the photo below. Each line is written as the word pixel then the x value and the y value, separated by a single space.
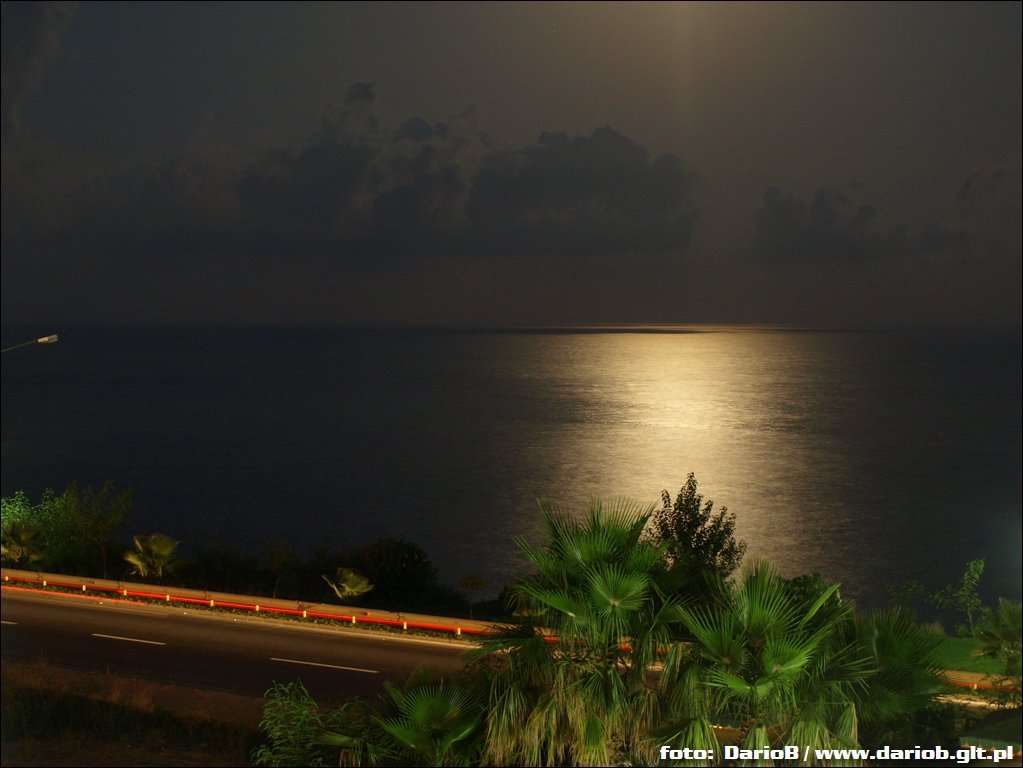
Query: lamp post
pixel 51 339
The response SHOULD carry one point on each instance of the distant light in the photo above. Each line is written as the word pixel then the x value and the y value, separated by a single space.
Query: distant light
pixel 51 339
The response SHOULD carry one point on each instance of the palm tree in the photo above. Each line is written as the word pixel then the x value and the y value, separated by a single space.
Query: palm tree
pixel 22 543
pixel 152 556
pixel 905 677
pixel 436 725
pixel 587 698
pixel 768 660
pixel 349 584
pixel 355 730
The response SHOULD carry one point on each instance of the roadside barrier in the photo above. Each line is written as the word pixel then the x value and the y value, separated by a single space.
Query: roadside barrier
pixel 137 591
pixel 125 591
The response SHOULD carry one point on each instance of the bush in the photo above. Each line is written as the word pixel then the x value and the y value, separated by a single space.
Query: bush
pixel 293 725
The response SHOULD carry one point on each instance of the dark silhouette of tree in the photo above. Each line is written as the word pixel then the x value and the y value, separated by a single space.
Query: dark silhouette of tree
pixel 401 573
pixel 280 558
pixel 472 583
pixel 695 538
pixel 99 515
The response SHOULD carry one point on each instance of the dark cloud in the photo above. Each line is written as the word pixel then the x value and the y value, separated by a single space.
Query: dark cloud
pixel 831 227
pixel 417 129
pixel 31 40
pixel 361 94
pixel 428 189
pixel 313 190
pixel 357 191
pixel 988 206
pixel 356 196
pixel 594 194
pixel 199 158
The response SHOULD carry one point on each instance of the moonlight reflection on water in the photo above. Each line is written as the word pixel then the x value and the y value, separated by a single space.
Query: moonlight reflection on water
pixel 869 457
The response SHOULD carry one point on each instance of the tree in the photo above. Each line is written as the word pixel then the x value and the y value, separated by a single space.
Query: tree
pixel 694 537
pixel 771 661
pixel 280 557
pixel 152 556
pixel 965 598
pixel 1000 632
pixel 904 681
pixel 16 508
pixel 59 538
pixel 434 724
pixel 401 572
pixel 349 584
pixel 22 544
pixel 99 515
pixel 472 583
pixel 585 699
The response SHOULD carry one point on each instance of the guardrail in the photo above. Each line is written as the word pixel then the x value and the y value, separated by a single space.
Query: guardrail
pixel 456 628
pixel 129 590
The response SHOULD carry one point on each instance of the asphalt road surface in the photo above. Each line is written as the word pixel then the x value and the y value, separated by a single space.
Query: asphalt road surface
pixel 215 652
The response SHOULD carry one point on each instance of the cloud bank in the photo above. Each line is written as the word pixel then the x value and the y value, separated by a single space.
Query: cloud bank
pixel 31 40
pixel 830 227
pixel 432 221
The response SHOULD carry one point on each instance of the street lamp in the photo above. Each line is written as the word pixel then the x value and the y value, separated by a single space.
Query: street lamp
pixel 51 339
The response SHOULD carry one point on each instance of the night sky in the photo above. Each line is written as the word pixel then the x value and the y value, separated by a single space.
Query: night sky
pixel 818 164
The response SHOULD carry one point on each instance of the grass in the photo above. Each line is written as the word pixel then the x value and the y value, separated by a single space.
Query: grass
pixel 58 717
pixel 959 653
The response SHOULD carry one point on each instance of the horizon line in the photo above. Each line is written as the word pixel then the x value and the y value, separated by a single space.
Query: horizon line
pixel 552 328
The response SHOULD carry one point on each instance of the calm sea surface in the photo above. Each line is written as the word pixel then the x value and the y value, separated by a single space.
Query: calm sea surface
pixel 871 457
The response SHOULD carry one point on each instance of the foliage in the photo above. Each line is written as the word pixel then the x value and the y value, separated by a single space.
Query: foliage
pixel 1000 633
pixel 279 558
pixel 22 546
pixel 960 653
pixel 59 542
pixel 908 596
pixel 152 556
pixel 770 660
pixel 906 677
pixel 354 730
pixel 695 538
pixel 965 598
pixel 602 590
pixel 423 723
pixel 294 727
pixel 217 566
pixel 98 515
pixel 472 583
pixel 16 508
pixel 434 724
pixel 349 584
pixel 62 716
pixel 780 661
pixel 400 571
pixel 75 529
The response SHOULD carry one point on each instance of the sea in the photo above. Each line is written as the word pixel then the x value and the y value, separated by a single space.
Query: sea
pixel 870 457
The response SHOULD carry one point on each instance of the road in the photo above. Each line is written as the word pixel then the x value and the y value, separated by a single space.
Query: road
pixel 211 651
